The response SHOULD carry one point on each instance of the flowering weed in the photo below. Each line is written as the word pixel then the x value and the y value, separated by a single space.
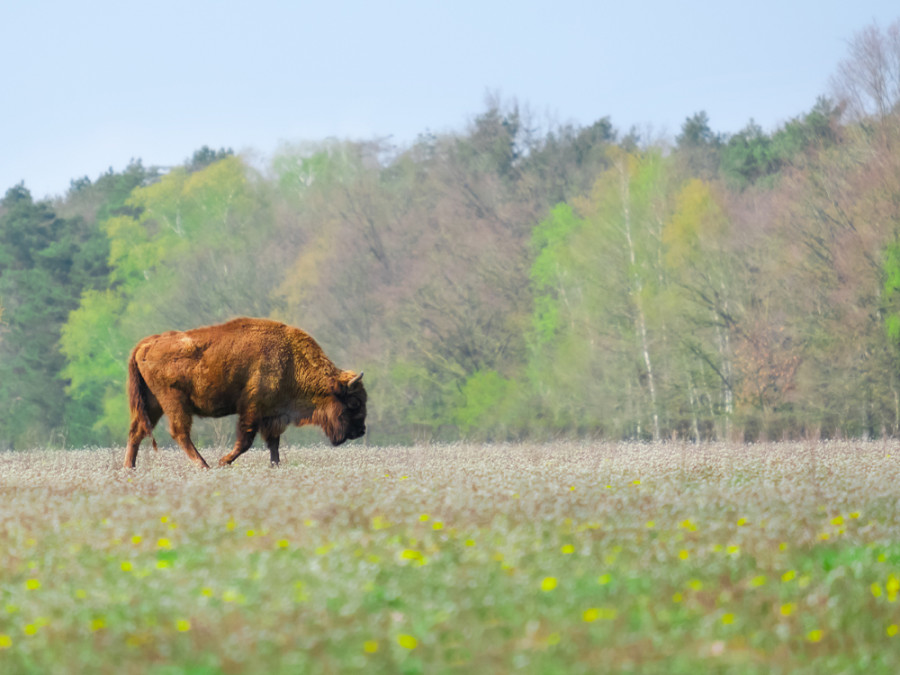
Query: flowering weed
pixel 453 558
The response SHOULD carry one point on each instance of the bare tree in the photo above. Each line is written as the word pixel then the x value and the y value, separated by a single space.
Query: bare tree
pixel 868 80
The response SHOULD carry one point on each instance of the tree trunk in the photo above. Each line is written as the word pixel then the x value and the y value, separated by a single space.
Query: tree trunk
pixel 636 290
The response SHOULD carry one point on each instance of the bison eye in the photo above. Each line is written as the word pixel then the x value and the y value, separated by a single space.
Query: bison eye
pixel 353 403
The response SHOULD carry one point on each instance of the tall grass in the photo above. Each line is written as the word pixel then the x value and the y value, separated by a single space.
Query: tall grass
pixel 569 558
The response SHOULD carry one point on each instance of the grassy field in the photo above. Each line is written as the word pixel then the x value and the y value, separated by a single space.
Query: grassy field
pixel 563 558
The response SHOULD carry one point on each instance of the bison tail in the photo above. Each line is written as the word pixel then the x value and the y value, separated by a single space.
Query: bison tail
pixel 137 398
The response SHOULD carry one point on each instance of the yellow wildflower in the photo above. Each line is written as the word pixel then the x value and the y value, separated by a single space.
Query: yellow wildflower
pixel 407 641
pixel 410 554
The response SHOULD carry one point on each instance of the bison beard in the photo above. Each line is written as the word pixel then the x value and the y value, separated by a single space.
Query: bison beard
pixel 269 374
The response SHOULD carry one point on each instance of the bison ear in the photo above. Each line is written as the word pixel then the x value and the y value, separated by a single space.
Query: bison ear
pixel 346 382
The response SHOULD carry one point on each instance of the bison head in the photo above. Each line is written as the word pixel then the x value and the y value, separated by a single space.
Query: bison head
pixel 347 417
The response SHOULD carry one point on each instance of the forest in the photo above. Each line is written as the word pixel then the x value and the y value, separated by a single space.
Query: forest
pixel 511 280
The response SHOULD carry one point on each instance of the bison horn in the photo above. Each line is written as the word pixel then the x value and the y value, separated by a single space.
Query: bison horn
pixel 355 380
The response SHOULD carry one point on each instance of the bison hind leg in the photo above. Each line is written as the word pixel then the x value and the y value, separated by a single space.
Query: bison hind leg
pixel 137 432
pixel 246 432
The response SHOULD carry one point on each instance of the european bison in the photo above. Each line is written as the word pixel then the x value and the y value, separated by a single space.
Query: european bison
pixel 269 374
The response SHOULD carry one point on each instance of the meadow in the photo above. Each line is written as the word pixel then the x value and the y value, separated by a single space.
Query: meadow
pixel 555 558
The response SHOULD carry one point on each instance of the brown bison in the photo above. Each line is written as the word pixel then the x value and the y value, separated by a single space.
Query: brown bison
pixel 269 374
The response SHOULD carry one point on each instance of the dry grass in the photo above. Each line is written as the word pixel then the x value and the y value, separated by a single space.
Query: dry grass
pixel 461 558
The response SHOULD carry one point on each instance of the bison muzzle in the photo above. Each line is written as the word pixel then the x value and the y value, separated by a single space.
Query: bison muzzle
pixel 270 375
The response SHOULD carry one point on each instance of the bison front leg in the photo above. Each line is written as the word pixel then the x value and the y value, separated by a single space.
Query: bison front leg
pixel 272 443
pixel 246 432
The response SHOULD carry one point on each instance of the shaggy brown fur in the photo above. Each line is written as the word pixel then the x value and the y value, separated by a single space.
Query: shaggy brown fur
pixel 269 374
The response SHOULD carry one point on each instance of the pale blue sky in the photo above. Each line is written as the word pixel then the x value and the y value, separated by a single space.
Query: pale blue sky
pixel 88 85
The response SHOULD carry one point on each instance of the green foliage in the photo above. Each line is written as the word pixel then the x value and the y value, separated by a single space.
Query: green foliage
pixel 205 156
pixel 597 289
pixel 500 282
pixel 96 354
pixel 699 147
pixel 550 242
pixel 695 132
pixel 45 261
pixel 752 155
pixel 415 404
pixel 488 402
pixel 891 286
pixel 493 144
pixel 815 130
pixel 105 197
pixel 698 221
pixel 749 156
pixel 172 256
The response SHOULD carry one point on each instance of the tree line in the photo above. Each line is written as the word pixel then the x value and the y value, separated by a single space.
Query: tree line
pixel 502 282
